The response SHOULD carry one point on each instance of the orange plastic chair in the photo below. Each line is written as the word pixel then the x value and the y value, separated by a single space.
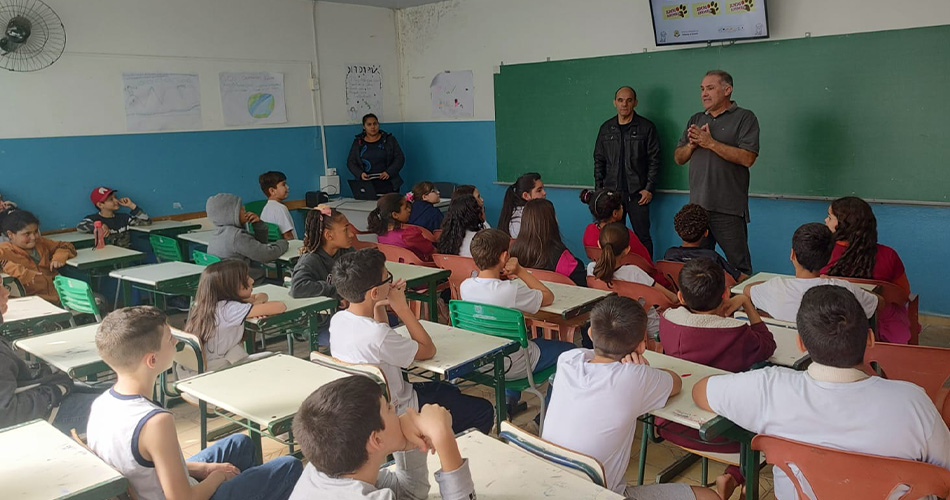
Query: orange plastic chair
pixel 671 270
pixel 425 233
pixel 894 294
pixel 402 255
pixel 593 253
pixel 553 277
pixel 437 234
pixel 359 244
pixel 462 268
pixel 635 291
pixel 843 474
pixel 928 367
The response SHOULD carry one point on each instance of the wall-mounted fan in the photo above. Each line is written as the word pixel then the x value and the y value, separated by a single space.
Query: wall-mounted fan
pixel 33 36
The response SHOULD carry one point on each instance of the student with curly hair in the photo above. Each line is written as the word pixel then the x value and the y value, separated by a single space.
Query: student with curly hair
pixel 464 218
pixel 692 225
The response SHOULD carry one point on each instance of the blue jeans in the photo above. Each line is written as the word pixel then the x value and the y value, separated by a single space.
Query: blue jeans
pixel 274 480
pixel 550 351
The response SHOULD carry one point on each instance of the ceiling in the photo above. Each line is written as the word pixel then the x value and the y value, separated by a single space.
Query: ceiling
pixel 389 4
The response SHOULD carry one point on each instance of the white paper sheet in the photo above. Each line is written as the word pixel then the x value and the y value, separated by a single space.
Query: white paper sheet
pixel 161 101
pixel 364 90
pixel 252 98
pixel 453 94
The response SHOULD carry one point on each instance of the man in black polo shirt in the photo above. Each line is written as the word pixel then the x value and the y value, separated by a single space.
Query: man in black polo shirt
pixel 721 144
pixel 627 159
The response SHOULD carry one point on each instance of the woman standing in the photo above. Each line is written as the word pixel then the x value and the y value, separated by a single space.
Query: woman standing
pixel 375 155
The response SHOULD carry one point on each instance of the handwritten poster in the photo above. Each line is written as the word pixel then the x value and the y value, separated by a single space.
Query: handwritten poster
pixel 161 101
pixel 252 98
pixel 453 94
pixel 364 90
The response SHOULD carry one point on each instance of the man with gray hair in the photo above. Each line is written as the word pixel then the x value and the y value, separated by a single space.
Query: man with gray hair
pixel 721 144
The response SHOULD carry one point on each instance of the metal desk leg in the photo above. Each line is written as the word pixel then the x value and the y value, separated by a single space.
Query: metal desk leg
pixel 750 468
pixel 647 430
pixel 255 432
pixel 203 419
pixel 433 302
pixel 501 410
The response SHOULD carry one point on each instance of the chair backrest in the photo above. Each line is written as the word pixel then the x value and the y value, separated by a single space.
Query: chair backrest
pixel 636 291
pixel 671 270
pixel 491 320
pixel 593 253
pixel 366 370
pixel 928 367
pixel 578 463
pixel 896 295
pixel 255 207
pixel 188 352
pixel 204 259
pixel 425 232
pixel 358 244
pixel 273 232
pixel 552 276
pixel 76 295
pixel 402 255
pixel 462 268
pixel 165 248
pixel 843 474
pixel 437 234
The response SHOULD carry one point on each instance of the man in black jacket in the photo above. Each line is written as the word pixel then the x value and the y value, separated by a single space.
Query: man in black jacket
pixel 627 159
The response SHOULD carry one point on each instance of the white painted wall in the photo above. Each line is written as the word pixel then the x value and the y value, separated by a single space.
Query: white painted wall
pixel 479 34
pixel 81 94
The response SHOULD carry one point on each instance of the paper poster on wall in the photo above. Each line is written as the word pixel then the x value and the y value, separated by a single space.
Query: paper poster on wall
pixel 364 90
pixel 453 94
pixel 161 101
pixel 252 98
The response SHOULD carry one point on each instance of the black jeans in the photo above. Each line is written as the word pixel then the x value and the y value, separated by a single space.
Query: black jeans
pixel 732 234
pixel 639 219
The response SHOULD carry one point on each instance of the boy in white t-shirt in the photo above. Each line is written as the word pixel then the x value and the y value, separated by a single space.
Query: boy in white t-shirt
pixel 601 393
pixel 361 334
pixel 780 297
pixel 490 253
pixel 274 186
pixel 834 403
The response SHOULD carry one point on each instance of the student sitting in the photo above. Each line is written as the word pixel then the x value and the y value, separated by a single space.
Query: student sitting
pixel 327 237
pixel 274 186
pixel 811 248
pixel 834 403
pixel 490 253
pixel 527 187
pixel 602 392
pixel 225 298
pixel 539 245
pixel 692 225
pixel 347 430
pixel 606 207
pixel 230 239
pixel 857 254
pixel 116 224
pixel 424 213
pixel 465 189
pixel 29 257
pixel 464 219
pixel 614 242
pixel 137 343
pixel 389 220
pixel 361 334
pixel 704 332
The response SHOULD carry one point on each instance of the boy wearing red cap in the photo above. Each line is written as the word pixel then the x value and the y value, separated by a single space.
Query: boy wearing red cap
pixel 116 223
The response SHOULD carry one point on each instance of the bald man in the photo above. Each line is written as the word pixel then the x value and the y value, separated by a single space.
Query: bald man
pixel 627 159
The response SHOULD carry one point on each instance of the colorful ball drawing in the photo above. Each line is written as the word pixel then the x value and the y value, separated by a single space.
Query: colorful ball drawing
pixel 260 105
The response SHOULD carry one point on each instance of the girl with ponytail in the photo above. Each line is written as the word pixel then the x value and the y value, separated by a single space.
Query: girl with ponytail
pixel 389 220
pixel 606 206
pixel 327 236
pixel 614 243
pixel 527 187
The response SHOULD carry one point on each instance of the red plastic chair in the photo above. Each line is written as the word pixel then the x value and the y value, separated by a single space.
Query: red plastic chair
pixel 425 233
pixel 635 291
pixel 671 271
pixel 842 474
pixel 928 367
pixel 462 268
pixel 593 253
pixel 894 294
pixel 402 255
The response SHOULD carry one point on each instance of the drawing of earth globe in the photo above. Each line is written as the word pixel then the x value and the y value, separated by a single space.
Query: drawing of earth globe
pixel 260 105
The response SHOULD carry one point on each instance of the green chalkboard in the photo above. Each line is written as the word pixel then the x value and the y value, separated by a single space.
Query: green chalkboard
pixel 865 114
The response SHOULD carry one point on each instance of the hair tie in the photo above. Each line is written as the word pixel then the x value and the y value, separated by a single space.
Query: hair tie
pixel 410 196
pixel 323 209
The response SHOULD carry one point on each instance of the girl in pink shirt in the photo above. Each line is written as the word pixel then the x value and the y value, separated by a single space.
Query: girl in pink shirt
pixel 390 222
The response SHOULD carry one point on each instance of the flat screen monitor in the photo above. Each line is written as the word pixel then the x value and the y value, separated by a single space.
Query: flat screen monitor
pixel 676 22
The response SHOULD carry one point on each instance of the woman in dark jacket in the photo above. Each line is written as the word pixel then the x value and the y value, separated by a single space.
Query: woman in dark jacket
pixel 376 152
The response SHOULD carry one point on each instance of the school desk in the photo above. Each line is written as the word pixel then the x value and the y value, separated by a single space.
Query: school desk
pixel 459 353
pixel 260 395
pixel 170 228
pixel 78 239
pixel 357 211
pixel 785 334
pixel 305 315
pixel 200 238
pixel 176 278
pixel 111 257
pixel 39 463
pixel 570 309
pixel 73 351
pixel 501 471
pixel 26 314
pixel 682 410
pixel 293 252
pixel 421 276
pixel 763 277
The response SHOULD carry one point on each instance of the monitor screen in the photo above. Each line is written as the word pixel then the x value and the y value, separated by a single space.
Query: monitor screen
pixel 676 22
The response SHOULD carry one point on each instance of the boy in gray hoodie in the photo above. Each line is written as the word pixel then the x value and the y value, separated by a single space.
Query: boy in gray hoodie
pixel 230 240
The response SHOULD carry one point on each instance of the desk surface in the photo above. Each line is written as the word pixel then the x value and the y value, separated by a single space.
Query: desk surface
pixel 199 237
pixel 40 462
pixel 27 308
pixel 282 294
pixel 762 277
pixel 410 272
pixel 265 390
pixel 455 347
pixel 165 225
pixel 152 274
pixel 293 251
pixel 501 471
pixel 785 334
pixel 568 298
pixel 71 237
pixel 105 255
pixel 66 350
pixel 681 408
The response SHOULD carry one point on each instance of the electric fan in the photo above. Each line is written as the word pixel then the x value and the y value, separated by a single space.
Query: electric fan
pixel 33 36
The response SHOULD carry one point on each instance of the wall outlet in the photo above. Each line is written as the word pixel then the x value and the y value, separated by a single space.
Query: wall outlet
pixel 176 205
pixel 331 171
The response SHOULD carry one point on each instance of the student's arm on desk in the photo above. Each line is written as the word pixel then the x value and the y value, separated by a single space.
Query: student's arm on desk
pixel 397 300
pixel 699 394
pixel 266 309
pixel 158 442
pixel 677 382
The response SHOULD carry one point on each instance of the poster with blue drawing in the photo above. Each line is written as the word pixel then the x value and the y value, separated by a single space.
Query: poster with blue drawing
pixel 252 98
pixel 453 94
pixel 161 101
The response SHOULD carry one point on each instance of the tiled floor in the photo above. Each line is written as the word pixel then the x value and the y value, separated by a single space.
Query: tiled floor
pixel 659 456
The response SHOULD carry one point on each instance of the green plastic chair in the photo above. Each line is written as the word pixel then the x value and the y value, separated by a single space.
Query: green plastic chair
pixel 255 206
pixel 76 295
pixel 273 232
pixel 204 259
pixel 505 323
pixel 165 248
